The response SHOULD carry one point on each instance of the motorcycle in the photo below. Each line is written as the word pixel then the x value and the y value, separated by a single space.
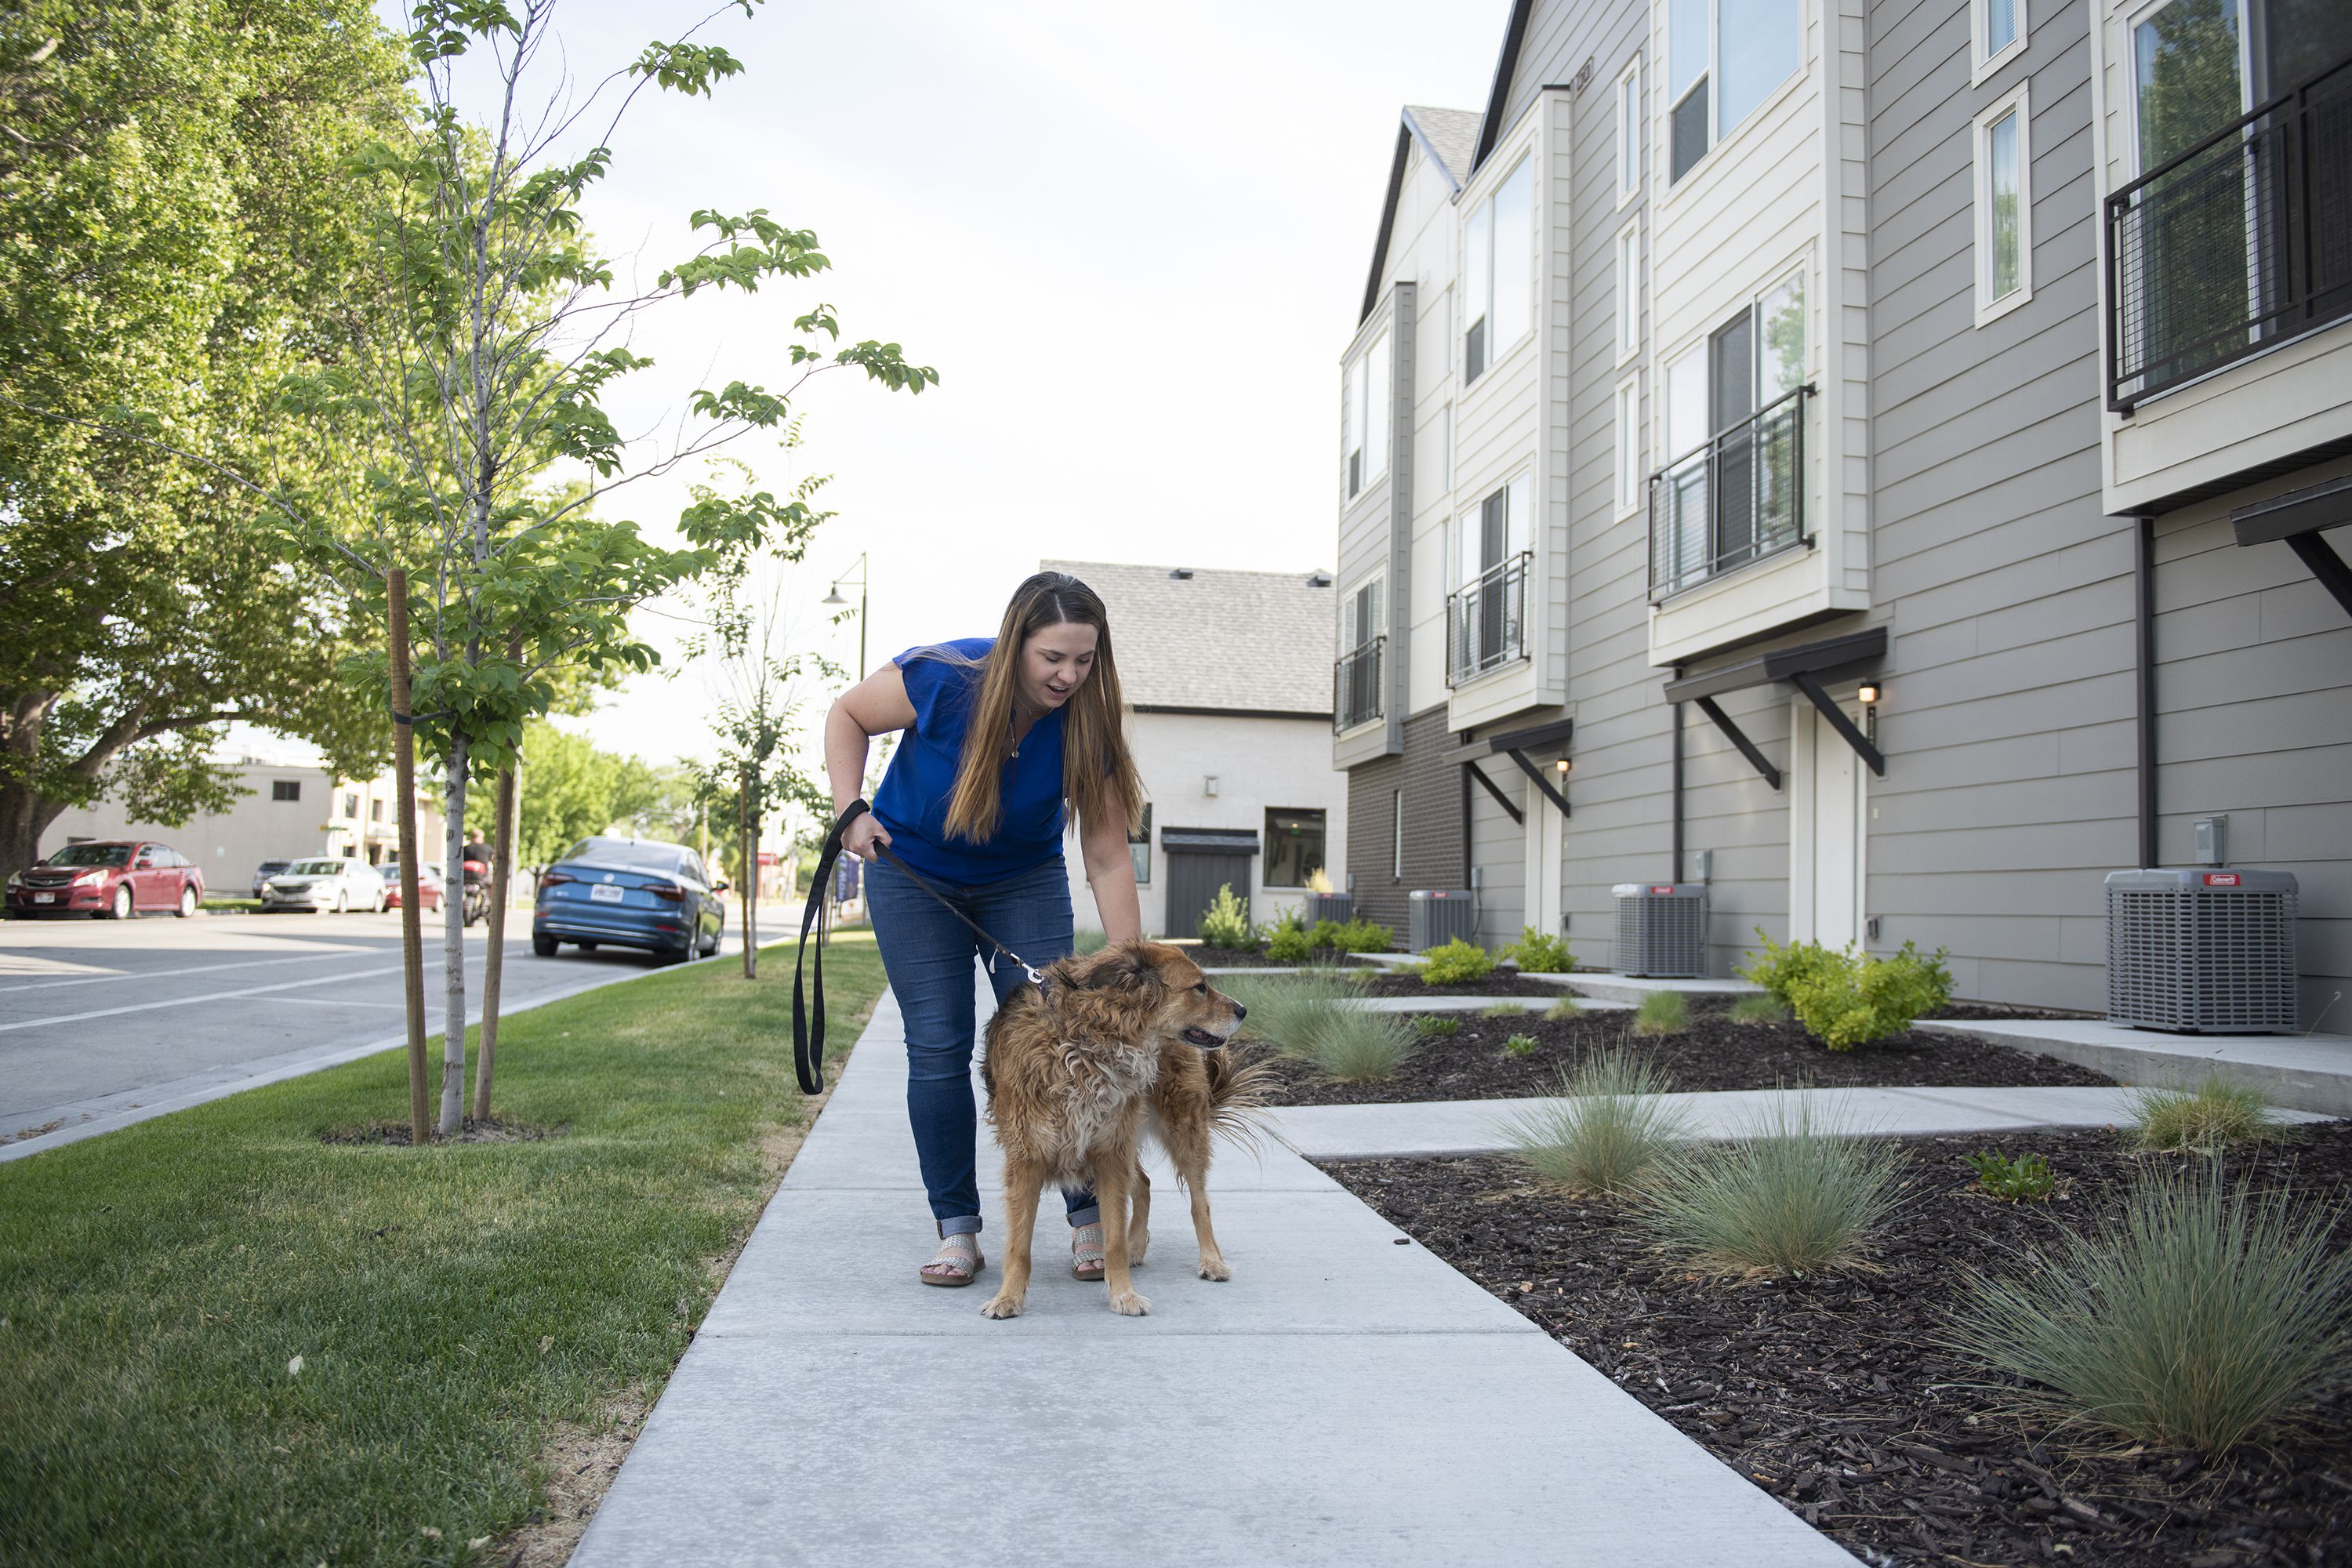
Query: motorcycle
pixel 477 900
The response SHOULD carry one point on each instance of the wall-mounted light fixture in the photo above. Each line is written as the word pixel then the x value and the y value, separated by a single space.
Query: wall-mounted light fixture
pixel 1209 783
pixel 1564 767
pixel 1869 694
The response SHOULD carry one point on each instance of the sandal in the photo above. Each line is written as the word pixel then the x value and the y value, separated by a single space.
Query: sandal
pixel 957 1262
pixel 1087 1253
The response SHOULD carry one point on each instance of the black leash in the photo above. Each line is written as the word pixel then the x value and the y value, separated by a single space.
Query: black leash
pixel 808 1042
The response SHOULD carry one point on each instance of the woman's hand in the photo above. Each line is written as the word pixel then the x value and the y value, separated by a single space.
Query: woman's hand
pixel 861 835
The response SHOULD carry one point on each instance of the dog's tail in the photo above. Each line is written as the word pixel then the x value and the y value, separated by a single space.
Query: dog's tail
pixel 1239 1082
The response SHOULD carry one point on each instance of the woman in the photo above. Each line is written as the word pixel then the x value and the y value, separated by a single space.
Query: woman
pixel 1000 732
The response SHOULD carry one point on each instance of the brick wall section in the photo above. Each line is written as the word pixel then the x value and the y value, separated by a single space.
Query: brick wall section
pixel 1433 822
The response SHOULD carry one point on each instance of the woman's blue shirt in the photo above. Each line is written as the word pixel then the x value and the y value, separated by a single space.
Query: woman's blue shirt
pixel 912 802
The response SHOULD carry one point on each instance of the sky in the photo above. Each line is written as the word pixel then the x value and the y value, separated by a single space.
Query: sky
pixel 1131 240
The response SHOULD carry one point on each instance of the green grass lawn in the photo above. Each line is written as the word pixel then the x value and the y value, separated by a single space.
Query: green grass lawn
pixel 450 1306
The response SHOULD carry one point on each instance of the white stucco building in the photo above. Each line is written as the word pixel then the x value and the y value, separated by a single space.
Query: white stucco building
pixel 1227 677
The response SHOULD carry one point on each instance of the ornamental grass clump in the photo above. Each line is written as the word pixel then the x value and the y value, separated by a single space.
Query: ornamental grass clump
pixel 1310 1014
pixel 2214 1115
pixel 1538 953
pixel 1505 1010
pixel 2202 1315
pixel 1609 1131
pixel 1765 1009
pixel 1662 1013
pixel 1451 962
pixel 1566 1007
pixel 1356 1045
pixel 1284 1008
pixel 1788 1198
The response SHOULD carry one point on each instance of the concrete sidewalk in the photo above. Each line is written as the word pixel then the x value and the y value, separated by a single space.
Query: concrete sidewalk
pixel 1344 1400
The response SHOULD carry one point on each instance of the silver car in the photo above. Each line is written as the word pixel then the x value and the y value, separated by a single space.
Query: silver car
pixel 327 883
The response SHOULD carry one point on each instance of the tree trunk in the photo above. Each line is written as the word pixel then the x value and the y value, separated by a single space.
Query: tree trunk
pixel 494 962
pixel 750 888
pixel 412 921
pixel 453 947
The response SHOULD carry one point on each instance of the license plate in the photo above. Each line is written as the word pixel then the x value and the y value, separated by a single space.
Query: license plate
pixel 604 893
pixel 44 898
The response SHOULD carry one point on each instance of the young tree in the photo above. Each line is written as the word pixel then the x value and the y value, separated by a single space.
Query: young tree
pixel 483 355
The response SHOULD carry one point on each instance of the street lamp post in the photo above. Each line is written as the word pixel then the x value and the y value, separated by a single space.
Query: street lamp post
pixel 835 598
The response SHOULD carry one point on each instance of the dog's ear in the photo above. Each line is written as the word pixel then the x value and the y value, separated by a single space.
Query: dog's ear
pixel 1126 967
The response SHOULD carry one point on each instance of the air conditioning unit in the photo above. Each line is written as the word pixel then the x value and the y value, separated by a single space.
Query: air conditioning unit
pixel 1439 917
pixel 1662 929
pixel 1338 907
pixel 2201 951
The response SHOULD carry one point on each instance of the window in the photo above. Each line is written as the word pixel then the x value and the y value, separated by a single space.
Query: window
pixel 1359 615
pixel 2004 237
pixel 1484 617
pixel 1492 534
pixel 1138 846
pixel 1629 134
pixel 286 789
pixel 1997 29
pixel 1366 389
pixel 375 811
pixel 1724 59
pixel 1629 446
pixel 1294 845
pixel 1498 270
pixel 350 804
pixel 1731 490
pixel 1629 292
pixel 1396 841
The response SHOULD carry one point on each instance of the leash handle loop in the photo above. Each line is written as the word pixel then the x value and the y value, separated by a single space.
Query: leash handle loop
pixel 808 1027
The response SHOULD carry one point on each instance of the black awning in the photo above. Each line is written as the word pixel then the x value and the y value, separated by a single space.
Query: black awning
pixel 2295 519
pixel 1803 666
pixel 1551 735
pixel 1216 840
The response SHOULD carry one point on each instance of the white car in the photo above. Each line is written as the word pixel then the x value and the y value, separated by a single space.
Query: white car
pixel 326 883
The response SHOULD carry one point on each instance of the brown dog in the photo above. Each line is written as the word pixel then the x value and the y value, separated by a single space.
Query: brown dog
pixel 1116 1044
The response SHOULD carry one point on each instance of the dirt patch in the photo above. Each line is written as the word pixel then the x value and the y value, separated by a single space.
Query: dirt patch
pixel 1714 1053
pixel 579 1460
pixel 399 1135
pixel 24 1132
pixel 1828 1393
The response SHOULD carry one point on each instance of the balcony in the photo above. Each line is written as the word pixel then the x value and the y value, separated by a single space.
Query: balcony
pixel 1734 500
pixel 2242 242
pixel 1356 686
pixel 1485 621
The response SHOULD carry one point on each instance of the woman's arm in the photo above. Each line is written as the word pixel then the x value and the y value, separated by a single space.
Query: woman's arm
pixel 878 705
pixel 1110 870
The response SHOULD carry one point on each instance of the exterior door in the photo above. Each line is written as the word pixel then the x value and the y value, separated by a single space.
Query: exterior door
pixel 1194 877
pixel 1825 811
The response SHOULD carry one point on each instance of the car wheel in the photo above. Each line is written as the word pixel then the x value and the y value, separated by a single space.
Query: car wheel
pixel 120 908
pixel 587 947
pixel 342 904
pixel 543 945
pixel 187 900
pixel 711 946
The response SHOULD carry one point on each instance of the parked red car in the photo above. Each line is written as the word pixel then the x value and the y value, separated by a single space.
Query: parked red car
pixel 429 892
pixel 109 877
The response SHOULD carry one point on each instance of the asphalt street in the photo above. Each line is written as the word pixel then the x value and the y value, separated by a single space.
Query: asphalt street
pixel 104 1022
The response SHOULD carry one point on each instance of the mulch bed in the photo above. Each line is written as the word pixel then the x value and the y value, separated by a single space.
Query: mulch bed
pixel 396 1134
pixel 1714 1053
pixel 1500 982
pixel 1826 1393
pixel 1226 958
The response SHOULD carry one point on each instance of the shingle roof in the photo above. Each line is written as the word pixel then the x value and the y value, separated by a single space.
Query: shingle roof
pixel 1243 641
pixel 1451 133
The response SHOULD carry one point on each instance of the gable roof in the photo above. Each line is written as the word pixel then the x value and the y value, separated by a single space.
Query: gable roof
pixel 1449 136
pixel 1515 33
pixel 1238 642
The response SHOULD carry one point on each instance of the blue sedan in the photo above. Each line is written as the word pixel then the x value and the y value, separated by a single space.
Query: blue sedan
pixel 629 892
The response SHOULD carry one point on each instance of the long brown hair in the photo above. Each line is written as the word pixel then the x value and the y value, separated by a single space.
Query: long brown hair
pixel 1095 760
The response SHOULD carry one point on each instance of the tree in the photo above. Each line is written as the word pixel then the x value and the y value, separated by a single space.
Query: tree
pixel 483 353
pixel 176 239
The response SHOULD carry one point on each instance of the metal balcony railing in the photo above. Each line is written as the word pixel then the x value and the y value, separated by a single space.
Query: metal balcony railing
pixel 1356 685
pixel 1485 621
pixel 1738 498
pixel 2242 241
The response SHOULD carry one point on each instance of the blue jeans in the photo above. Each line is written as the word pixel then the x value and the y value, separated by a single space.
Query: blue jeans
pixel 928 955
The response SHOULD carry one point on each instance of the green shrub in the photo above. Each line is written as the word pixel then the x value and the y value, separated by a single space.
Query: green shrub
pixel 1286 940
pixel 1443 1024
pixel 2200 1317
pixel 1538 952
pixel 1609 1131
pixel 1505 1010
pixel 1356 1045
pixel 1765 1009
pixel 1780 970
pixel 2028 1179
pixel 1851 999
pixel 1352 936
pixel 1226 924
pixel 1519 1045
pixel 2214 1115
pixel 1452 962
pixel 1788 1197
pixel 1566 1007
pixel 1662 1013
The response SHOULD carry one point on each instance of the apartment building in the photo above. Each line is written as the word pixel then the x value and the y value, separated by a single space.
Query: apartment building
pixel 1876 458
